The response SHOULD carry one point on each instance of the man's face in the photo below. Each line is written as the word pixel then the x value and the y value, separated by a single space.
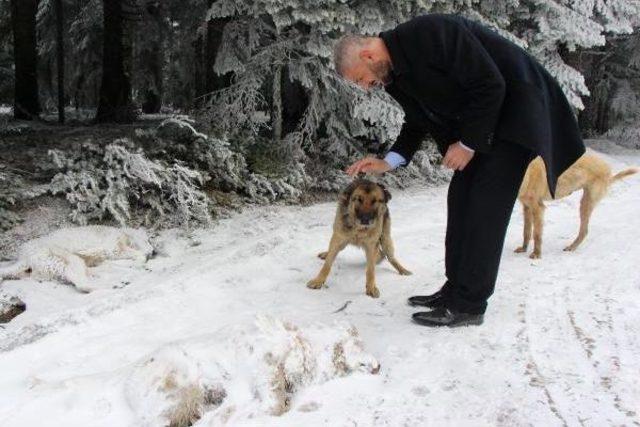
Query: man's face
pixel 369 71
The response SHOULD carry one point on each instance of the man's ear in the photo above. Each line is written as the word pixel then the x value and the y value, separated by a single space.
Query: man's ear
pixel 366 55
pixel 387 195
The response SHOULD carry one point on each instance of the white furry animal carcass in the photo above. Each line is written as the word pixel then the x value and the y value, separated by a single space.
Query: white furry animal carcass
pixel 236 373
pixel 65 254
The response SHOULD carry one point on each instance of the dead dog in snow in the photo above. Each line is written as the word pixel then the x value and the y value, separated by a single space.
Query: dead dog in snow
pixel 65 254
pixel 362 219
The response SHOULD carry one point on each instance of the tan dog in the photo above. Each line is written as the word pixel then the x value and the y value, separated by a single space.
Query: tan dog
pixel 589 173
pixel 362 219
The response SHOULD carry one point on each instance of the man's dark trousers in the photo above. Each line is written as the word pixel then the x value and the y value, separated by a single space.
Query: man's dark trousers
pixel 479 205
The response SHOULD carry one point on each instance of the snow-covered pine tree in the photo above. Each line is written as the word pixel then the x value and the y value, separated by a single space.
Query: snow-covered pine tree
pixel 297 35
pixel 572 24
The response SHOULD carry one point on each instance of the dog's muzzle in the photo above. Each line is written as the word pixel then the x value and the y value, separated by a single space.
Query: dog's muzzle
pixel 366 219
pixel 152 255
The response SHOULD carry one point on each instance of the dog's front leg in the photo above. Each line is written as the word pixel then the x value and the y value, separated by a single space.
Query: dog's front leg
pixel 372 254
pixel 388 249
pixel 335 246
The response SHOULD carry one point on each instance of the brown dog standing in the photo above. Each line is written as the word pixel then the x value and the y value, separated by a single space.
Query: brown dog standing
pixel 589 173
pixel 363 220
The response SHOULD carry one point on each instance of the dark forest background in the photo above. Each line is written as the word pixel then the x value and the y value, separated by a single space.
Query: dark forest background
pixel 173 112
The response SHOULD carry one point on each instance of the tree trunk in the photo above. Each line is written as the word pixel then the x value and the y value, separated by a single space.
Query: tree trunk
pixel 23 18
pixel 295 101
pixel 151 56
pixel 276 103
pixel 115 103
pixel 198 68
pixel 215 31
pixel 60 52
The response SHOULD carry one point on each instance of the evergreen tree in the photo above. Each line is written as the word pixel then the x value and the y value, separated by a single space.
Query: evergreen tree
pixel 60 57
pixel 266 36
pixel 23 16
pixel 149 55
pixel 115 104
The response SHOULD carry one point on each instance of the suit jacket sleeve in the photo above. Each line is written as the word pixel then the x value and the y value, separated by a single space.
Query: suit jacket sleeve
pixel 409 139
pixel 453 49
pixel 415 128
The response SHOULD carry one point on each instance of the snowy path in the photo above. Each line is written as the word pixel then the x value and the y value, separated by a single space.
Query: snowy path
pixel 560 344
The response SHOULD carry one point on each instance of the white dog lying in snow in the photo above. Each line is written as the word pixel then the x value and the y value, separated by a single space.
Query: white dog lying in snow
pixel 238 373
pixel 65 254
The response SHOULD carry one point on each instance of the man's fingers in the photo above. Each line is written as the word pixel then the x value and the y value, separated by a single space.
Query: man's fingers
pixel 357 167
pixel 449 162
pixel 368 165
pixel 445 160
pixel 353 169
pixel 365 166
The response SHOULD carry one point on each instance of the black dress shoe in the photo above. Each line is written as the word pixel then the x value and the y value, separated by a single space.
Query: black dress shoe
pixel 430 301
pixel 443 316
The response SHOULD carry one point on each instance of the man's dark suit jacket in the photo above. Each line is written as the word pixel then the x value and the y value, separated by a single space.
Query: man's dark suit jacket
pixel 459 81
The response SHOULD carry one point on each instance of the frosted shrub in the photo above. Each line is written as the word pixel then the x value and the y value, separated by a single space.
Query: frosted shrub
pixel 119 182
pixel 222 168
pixel 289 187
pixel 13 189
pixel 8 197
pixel 627 135
pixel 227 170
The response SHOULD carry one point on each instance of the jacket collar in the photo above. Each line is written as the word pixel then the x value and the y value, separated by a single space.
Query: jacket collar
pixel 398 59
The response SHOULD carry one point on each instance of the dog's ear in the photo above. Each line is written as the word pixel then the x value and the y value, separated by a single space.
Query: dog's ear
pixel 347 192
pixel 387 195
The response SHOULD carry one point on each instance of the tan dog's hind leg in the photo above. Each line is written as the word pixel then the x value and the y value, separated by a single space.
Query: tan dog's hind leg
pixel 537 213
pixel 528 226
pixel 335 246
pixel 371 251
pixel 590 198
pixel 388 249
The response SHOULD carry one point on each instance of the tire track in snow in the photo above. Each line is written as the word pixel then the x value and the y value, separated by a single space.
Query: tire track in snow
pixel 590 344
pixel 559 359
pixel 536 379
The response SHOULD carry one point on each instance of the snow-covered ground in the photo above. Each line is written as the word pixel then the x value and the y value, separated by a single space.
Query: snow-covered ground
pixel 560 344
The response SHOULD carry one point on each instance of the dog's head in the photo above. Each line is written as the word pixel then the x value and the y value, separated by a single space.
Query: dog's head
pixel 139 241
pixel 365 202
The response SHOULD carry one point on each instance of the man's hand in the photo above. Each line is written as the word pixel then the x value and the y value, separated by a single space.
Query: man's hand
pixel 457 157
pixel 368 164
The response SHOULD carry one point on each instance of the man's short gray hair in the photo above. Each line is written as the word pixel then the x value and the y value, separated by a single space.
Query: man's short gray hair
pixel 344 51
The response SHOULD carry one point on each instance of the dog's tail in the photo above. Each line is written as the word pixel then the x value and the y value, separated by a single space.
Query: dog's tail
pixel 623 174
pixel 15 271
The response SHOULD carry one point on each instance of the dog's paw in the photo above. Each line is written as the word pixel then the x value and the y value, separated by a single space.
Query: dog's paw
pixel 315 284
pixel 535 255
pixel 373 292
pixel 404 272
pixel 323 255
pixel 520 250
pixel 84 289
pixel 570 248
